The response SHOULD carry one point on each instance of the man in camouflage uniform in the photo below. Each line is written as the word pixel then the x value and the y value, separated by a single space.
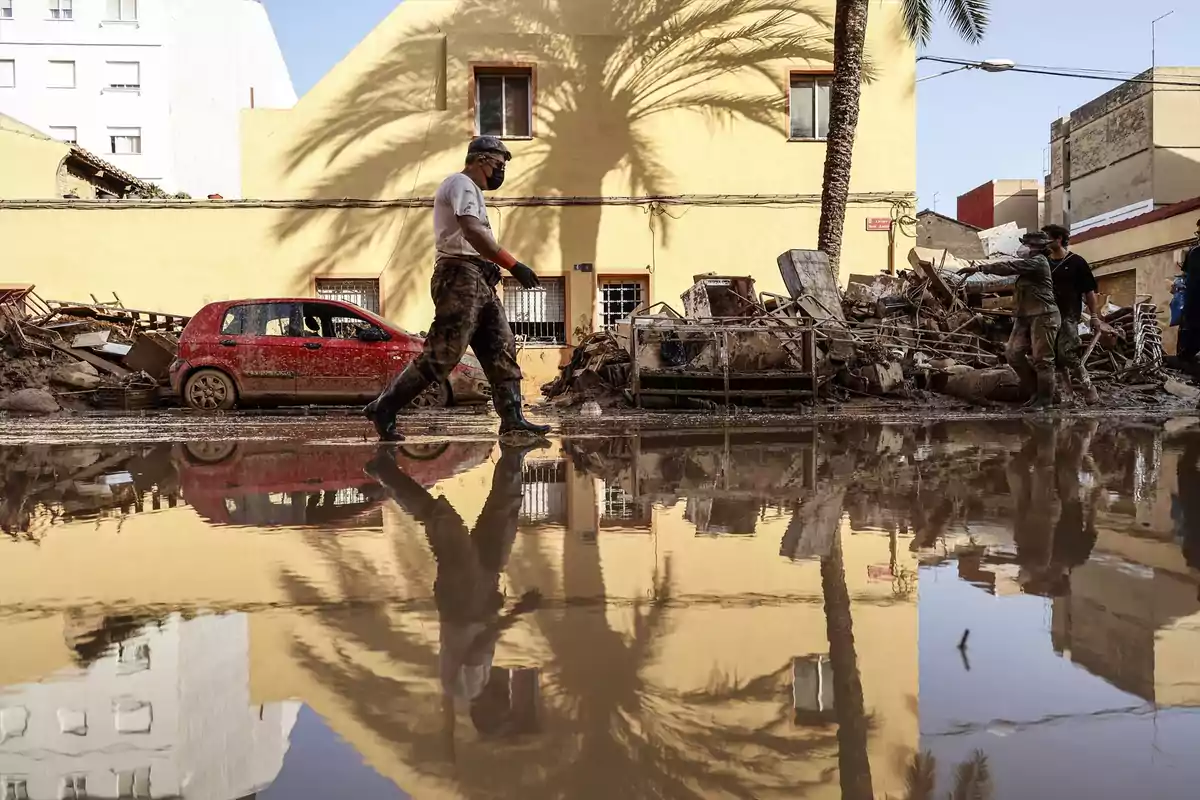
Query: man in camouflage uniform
pixel 1031 348
pixel 467 308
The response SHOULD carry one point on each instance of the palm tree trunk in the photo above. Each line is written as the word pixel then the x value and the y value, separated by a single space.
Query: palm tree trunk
pixel 854 766
pixel 849 40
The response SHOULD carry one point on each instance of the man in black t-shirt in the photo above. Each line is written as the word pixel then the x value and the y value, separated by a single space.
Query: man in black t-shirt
pixel 1074 285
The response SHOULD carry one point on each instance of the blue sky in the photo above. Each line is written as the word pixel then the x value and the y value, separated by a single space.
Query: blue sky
pixel 972 126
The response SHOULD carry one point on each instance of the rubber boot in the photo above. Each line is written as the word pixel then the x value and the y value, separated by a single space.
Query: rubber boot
pixel 1064 393
pixel 403 389
pixel 1028 378
pixel 1045 390
pixel 507 397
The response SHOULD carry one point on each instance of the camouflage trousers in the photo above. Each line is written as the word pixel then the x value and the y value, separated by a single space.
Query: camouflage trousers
pixel 468 312
pixel 1068 352
pixel 1031 348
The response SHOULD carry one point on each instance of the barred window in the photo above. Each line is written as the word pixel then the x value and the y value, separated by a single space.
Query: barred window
pixel 363 293
pixel 537 316
pixel 544 492
pixel 619 299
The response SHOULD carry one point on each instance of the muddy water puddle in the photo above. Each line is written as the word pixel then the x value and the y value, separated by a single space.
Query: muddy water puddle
pixel 839 610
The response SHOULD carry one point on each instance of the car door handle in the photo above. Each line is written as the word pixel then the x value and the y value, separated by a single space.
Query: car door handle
pixel 312 345
pixel 228 343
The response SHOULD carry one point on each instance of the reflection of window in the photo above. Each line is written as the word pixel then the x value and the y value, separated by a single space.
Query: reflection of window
pixel 72 721
pixel 361 292
pixel 74 787
pixel 812 689
pixel 619 299
pixel 16 789
pixel 134 783
pixel 809 105
pixel 133 658
pixel 504 102
pixel 544 492
pixel 537 316
pixel 13 722
pixel 133 716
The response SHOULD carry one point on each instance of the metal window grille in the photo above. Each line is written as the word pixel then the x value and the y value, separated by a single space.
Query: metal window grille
pixel 537 316
pixel 504 103
pixel 618 504
pixel 619 299
pixel 363 293
pixel 544 492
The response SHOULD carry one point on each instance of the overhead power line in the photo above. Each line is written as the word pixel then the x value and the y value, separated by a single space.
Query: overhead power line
pixel 1084 74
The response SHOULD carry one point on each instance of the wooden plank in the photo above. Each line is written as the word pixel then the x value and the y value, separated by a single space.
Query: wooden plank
pixel 102 364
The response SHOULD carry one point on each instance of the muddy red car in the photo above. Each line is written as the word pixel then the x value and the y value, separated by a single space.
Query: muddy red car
pixel 298 351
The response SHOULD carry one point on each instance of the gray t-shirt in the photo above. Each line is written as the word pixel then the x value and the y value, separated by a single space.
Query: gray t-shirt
pixel 458 196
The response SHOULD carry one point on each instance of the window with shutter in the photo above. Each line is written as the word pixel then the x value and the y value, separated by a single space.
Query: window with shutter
pixel 122 11
pixel 125 75
pixel 61 75
pixel 8 73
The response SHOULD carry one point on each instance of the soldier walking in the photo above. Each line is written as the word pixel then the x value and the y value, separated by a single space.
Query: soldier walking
pixel 467 309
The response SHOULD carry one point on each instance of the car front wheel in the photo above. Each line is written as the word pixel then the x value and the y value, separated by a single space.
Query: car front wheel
pixel 209 390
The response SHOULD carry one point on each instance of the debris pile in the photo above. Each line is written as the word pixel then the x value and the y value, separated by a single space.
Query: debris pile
pixel 925 332
pixel 77 355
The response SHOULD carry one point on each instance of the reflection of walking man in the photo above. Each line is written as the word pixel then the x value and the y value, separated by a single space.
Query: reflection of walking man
pixel 467 308
pixel 467 587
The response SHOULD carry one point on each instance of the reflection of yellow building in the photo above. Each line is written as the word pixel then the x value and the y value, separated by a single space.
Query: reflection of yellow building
pixel 649 147
pixel 725 678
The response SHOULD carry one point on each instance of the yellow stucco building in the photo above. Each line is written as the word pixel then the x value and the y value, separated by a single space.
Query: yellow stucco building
pixel 652 142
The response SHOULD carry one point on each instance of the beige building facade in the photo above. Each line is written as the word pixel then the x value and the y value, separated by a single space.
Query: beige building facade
pixel 1131 150
pixel 647 150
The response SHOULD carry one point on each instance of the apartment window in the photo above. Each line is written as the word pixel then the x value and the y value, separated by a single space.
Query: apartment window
pixel 808 102
pixel 504 103
pixel 60 75
pixel 65 133
pixel 125 141
pixel 6 9
pixel 537 316
pixel 122 11
pixel 619 299
pixel 8 74
pixel 62 9
pixel 363 293
pixel 16 789
pixel 125 75
pixel 72 721
pixel 133 716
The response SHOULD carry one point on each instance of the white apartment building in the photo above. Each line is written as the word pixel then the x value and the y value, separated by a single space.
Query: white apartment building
pixel 154 86
pixel 164 714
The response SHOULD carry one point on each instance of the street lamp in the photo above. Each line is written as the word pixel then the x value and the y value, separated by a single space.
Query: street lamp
pixel 989 65
pixel 1154 43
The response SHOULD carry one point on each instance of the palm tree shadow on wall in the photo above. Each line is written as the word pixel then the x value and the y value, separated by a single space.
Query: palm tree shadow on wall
pixel 595 96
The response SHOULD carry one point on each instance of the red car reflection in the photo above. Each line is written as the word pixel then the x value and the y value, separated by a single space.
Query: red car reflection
pixel 296 351
pixel 292 484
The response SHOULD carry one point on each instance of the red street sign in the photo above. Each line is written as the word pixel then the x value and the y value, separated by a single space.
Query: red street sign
pixel 879 223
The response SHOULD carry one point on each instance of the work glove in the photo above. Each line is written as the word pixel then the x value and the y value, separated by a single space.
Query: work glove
pixel 525 276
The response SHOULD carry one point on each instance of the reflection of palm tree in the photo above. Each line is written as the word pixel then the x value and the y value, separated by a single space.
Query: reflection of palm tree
pixel 972 778
pixel 610 731
pixel 640 59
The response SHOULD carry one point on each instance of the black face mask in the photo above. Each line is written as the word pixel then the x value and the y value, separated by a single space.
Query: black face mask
pixel 496 180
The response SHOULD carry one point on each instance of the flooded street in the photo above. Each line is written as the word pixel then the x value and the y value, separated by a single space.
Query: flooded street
pixel 775 608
